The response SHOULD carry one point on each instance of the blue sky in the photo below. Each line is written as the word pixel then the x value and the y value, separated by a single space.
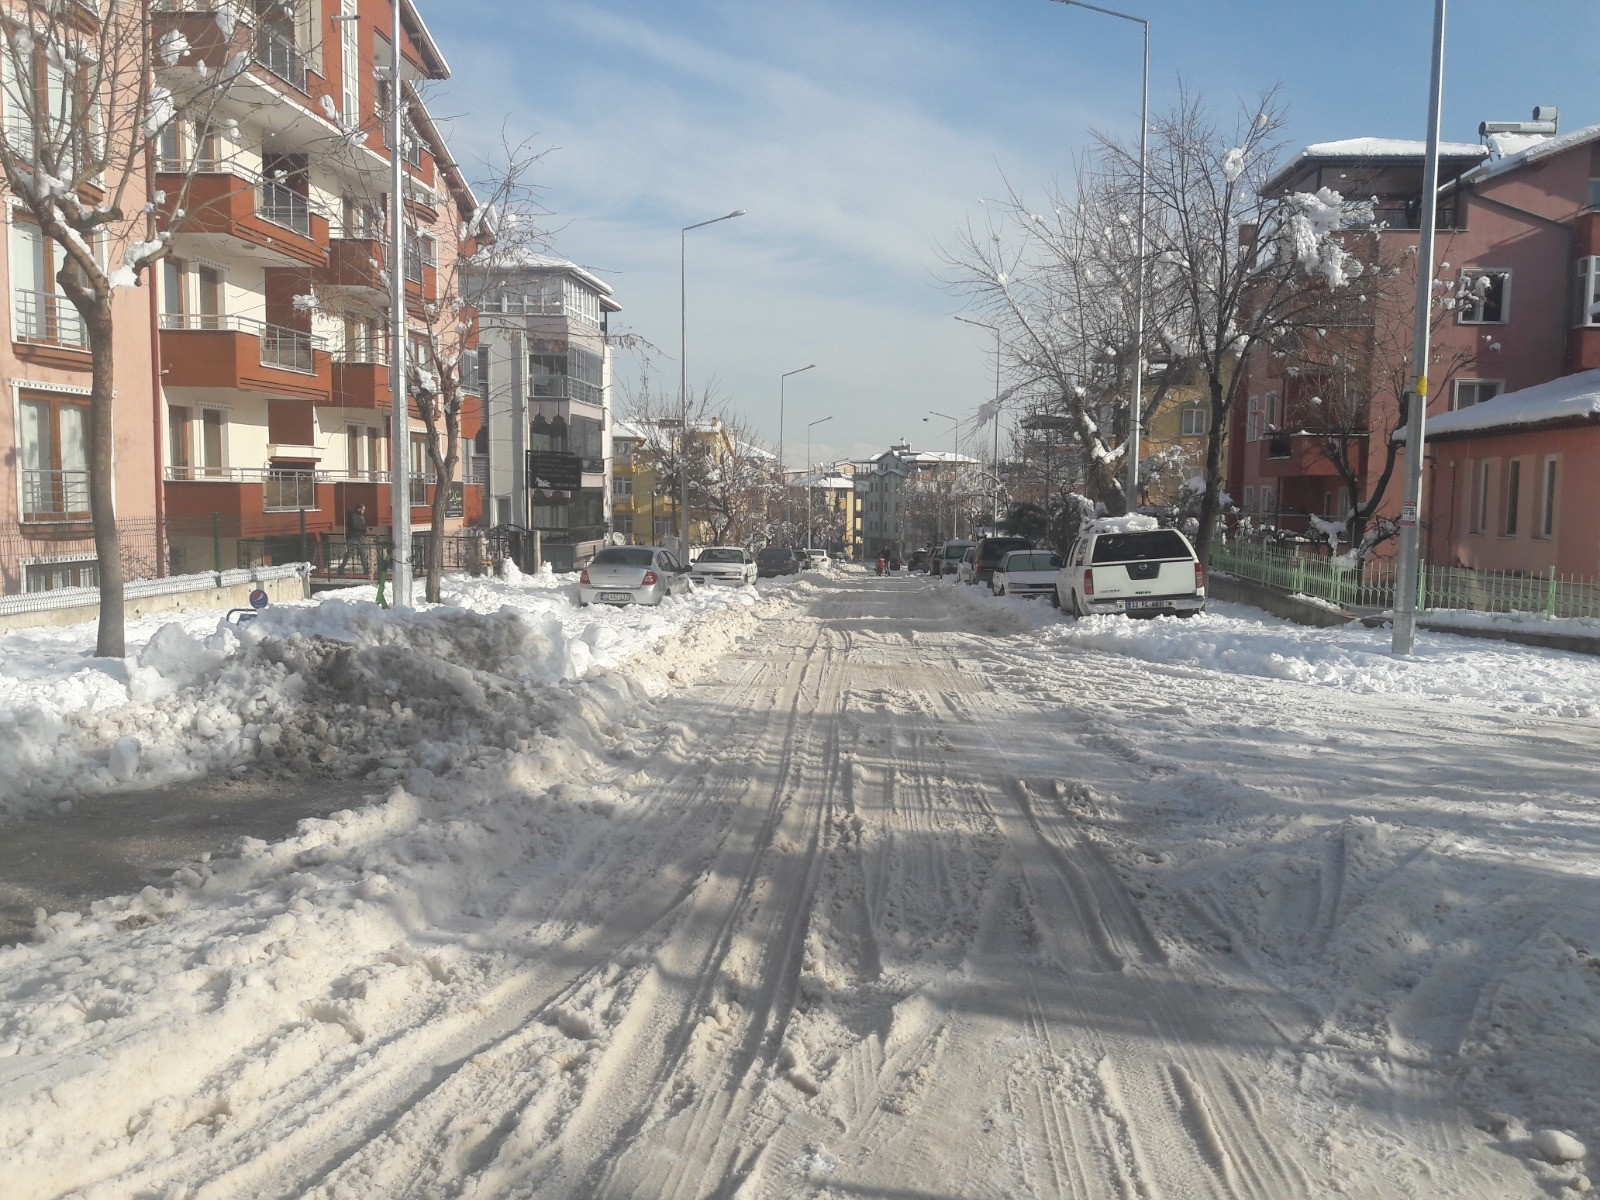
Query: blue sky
pixel 860 134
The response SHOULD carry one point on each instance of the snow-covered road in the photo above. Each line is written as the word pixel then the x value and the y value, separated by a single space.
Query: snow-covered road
pixel 868 888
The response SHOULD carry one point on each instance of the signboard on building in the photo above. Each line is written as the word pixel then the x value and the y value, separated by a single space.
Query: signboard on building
pixel 553 469
pixel 455 503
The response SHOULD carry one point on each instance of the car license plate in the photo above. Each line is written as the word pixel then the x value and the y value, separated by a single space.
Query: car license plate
pixel 616 597
pixel 1144 603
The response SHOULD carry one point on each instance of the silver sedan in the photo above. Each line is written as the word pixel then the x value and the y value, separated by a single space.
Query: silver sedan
pixel 632 575
pixel 725 564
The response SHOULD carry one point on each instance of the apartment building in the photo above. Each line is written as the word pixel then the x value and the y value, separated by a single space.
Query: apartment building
pixel 252 370
pixel 1516 348
pixel 543 453
pixel 273 329
pixel 907 498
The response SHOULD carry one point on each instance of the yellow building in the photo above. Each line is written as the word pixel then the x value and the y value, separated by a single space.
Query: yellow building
pixel 638 512
pixel 1173 450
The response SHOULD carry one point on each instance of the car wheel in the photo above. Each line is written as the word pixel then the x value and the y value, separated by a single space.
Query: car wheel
pixel 998 591
pixel 1077 609
pixel 1055 598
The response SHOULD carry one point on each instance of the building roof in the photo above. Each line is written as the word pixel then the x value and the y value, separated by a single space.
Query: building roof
pixel 835 481
pixel 1557 401
pixel 1524 151
pixel 413 23
pixel 519 261
pixel 1371 149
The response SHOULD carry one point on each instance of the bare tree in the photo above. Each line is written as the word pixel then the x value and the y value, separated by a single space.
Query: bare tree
pixel 1249 264
pixel 89 93
pixel 669 452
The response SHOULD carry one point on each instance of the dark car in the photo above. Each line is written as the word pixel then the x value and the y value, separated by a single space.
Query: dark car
pixel 776 560
pixel 990 551
pixel 919 560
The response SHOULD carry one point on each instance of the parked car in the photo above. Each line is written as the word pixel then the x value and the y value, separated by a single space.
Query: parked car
pixel 1141 572
pixel 968 563
pixel 817 557
pixel 918 560
pixel 775 561
pixel 950 556
pixel 1027 573
pixel 725 564
pixel 990 551
pixel 632 575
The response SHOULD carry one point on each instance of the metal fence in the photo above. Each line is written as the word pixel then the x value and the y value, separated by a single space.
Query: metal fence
pixel 1371 585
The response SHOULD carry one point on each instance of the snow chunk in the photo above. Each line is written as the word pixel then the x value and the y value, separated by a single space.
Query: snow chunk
pixel 1558 1147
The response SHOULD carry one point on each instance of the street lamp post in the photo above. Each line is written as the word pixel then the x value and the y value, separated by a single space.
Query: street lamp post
pixel 1137 398
pixel 993 416
pixel 955 448
pixel 809 489
pixel 683 376
pixel 1405 587
pixel 783 478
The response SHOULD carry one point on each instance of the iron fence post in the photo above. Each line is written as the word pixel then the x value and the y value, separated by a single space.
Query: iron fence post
pixel 304 556
pixel 1550 596
pixel 216 546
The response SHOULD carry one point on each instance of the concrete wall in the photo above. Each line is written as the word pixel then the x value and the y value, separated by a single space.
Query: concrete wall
pixel 185 595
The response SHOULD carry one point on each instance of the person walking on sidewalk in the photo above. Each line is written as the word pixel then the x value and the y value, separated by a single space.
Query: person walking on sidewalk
pixel 355 539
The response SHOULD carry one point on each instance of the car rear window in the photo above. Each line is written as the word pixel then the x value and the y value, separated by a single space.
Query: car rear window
pixel 625 556
pixel 1031 560
pixel 771 556
pixel 998 548
pixel 714 555
pixel 1142 546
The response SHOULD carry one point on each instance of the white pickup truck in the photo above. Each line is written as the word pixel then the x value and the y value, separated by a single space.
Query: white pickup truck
pixel 1131 565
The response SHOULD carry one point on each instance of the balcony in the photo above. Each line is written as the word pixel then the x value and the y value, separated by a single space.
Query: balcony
pixel 230 211
pixel 46 319
pixel 55 495
pixel 361 378
pixel 217 350
pixel 357 262
pixel 258 497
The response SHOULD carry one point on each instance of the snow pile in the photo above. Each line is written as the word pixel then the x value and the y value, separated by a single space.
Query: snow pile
pixel 311 688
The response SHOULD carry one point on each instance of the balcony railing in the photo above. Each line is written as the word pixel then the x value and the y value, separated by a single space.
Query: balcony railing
pixel 281 347
pixel 54 495
pixel 565 387
pixel 370 356
pixel 280 56
pixel 48 319
pixel 288 486
pixel 280 204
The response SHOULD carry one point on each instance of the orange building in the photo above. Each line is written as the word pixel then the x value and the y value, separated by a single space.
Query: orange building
pixel 273 334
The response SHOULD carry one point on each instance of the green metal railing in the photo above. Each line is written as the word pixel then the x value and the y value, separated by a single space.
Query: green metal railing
pixel 1371 586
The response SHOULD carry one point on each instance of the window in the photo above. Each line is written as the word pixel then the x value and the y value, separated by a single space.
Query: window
pixel 172 300
pixel 421 251
pixel 350 63
pixel 180 441
pixel 622 488
pixel 1508 527
pixel 1474 391
pixel 1249 498
pixel 1547 500
pixel 1594 193
pixel 1194 422
pixel 1266 500
pixel 1478 521
pixel 420 472
pixel 1252 431
pixel 1271 407
pixel 213 441
pixel 1586 292
pixel 54 453
pixel 46 577
pixel 1484 297
pixel 40 313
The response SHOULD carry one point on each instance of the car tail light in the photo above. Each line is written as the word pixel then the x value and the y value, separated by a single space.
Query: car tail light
pixel 650 579
pixel 1199 578
pixel 1088 583
pixel 583 577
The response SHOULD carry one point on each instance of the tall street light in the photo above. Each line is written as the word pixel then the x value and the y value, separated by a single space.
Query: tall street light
pixel 995 415
pixel 809 488
pixel 783 478
pixel 683 376
pixel 1137 398
pixel 1405 587
pixel 955 447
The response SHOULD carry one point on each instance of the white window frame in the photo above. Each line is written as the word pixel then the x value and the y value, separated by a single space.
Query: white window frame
pixel 1249 497
pixel 1478 518
pixel 1194 416
pixel 1470 310
pixel 1586 292
pixel 1474 387
pixel 1266 500
pixel 1252 430
pixel 350 62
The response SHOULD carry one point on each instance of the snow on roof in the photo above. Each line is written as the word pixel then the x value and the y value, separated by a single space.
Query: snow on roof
pixel 529 260
pixel 1569 398
pixel 423 39
pixel 1540 148
pixel 626 429
pixel 835 481
pixel 1372 147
